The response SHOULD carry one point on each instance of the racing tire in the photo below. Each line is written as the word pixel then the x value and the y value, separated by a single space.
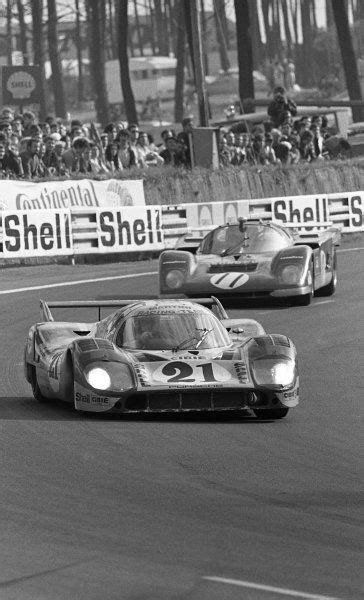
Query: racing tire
pixel 304 300
pixel 271 413
pixel 38 396
pixel 330 288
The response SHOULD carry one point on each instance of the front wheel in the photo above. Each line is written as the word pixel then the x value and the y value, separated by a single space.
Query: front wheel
pixel 302 300
pixel 36 389
pixel 271 413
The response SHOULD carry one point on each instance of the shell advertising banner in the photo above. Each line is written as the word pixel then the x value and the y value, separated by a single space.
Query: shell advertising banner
pixel 36 233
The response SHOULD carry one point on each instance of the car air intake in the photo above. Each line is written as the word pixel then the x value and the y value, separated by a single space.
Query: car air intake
pixel 233 268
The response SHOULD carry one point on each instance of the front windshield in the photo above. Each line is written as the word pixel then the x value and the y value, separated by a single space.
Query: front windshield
pixel 255 238
pixel 168 331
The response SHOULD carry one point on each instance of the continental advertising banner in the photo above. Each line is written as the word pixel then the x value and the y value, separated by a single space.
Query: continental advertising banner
pixel 36 233
pixel 73 194
pixel 130 229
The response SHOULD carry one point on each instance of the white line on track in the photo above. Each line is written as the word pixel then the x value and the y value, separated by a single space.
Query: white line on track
pixel 269 588
pixel 78 282
pixel 350 249
pixel 323 302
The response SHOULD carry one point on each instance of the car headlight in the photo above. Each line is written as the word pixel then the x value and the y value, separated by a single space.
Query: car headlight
pixel 291 274
pixel 270 371
pixel 174 279
pixel 112 376
pixel 98 378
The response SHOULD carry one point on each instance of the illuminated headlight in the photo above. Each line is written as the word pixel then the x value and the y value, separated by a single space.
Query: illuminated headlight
pixel 174 279
pixel 98 378
pixel 291 274
pixel 270 371
pixel 110 376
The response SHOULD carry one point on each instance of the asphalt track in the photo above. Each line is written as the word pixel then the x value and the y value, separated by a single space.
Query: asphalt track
pixel 102 508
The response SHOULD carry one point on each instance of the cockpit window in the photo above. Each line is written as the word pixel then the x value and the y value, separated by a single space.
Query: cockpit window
pixel 253 238
pixel 168 331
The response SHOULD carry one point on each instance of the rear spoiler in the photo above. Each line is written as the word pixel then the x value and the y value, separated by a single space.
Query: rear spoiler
pixel 46 314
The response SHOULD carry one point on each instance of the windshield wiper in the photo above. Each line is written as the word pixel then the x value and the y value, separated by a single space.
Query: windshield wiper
pixel 200 335
pixel 231 250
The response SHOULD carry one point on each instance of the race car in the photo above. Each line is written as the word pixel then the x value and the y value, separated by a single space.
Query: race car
pixel 253 259
pixel 161 356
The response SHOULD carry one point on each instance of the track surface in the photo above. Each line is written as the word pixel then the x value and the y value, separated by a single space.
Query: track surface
pixel 102 508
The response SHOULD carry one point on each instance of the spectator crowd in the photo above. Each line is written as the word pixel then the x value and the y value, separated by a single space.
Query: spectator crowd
pixel 30 149
pixel 283 138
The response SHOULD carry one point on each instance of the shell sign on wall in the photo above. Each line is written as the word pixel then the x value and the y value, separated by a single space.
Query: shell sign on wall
pixel 20 85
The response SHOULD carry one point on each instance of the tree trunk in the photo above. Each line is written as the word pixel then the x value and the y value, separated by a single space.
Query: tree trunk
pixel 329 15
pixel 9 33
pixel 276 30
pixel 78 41
pixel 129 101
pixel 306 67
pixel 113 51
pixel 219 12
pixel 152 29
pixel 267 28
pixel 39 53
pixel 181 62
pixel 96 13
pixel 23 32
pixel 188 26
pixel 172 11
pixel 137 25
pixel 313 16
pixel 204 37
pixel 255 34
pixel 348 57
pixel 287 29
pixel 161 34
pixel 245 55
pixel 57 81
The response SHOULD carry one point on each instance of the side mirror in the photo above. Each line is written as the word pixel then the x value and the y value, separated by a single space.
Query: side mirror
pixel 236 330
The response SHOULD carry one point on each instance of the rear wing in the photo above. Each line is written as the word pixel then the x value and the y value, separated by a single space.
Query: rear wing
pixel 322 231
pixel 46 314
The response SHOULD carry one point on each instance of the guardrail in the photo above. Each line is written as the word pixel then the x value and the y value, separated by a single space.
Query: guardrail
pixel 85 231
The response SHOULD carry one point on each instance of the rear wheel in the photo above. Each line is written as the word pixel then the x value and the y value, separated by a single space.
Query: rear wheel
pixel 36 389
pixel 330 288
pixel 271 413
pixel 305 300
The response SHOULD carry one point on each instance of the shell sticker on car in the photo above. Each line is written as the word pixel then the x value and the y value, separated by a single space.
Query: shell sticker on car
pixel 229 281
pixel 178 372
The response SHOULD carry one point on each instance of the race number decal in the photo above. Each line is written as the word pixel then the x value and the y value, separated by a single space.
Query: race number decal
pixel 229 281
pixel 178 372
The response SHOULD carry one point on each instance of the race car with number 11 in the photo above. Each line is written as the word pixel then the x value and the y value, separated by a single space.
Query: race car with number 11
pixel 253 259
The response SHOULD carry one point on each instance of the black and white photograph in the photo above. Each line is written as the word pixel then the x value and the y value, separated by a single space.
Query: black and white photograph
pixel 181 299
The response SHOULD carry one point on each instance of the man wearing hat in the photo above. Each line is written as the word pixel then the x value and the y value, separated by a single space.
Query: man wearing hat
pixel 279 104
pixel 184 138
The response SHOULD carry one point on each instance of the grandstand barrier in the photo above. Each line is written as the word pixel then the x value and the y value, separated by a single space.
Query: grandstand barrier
pixel 74 232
